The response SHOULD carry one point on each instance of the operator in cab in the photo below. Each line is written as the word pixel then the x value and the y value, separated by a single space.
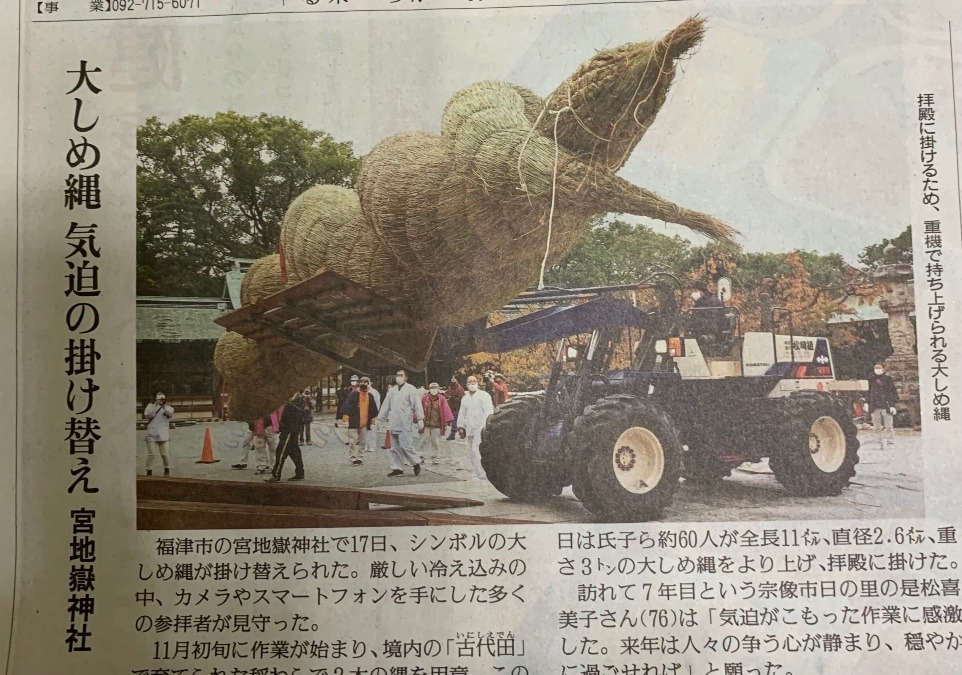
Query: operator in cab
pixel 707 318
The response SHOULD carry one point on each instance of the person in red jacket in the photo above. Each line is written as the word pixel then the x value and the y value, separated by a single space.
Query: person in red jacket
pixel 499 391
pixel 437 416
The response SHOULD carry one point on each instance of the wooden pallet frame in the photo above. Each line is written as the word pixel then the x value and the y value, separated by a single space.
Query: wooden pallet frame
pixel 330 306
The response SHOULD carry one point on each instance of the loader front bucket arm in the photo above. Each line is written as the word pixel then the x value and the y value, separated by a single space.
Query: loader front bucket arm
pixel 661 323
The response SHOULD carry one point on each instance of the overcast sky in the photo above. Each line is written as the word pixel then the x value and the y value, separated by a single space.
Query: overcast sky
pixel 792 124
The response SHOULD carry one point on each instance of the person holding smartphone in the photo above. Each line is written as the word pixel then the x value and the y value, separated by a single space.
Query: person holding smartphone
pixel 158 415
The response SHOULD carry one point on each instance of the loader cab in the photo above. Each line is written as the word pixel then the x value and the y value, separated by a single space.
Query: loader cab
pixel 724 333
pixel 710 342
pixel 718 348
pixel 711 322
pixel 777 354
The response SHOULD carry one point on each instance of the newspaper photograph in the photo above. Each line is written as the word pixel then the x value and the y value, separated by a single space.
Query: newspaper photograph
pixel 640 314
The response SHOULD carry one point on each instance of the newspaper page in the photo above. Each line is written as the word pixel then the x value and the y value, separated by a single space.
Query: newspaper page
pixel 466 337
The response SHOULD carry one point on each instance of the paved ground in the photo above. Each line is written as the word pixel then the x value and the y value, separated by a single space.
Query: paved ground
pixel 888 483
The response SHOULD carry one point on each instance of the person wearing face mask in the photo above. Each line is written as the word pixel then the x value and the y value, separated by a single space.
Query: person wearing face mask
pixel 882 397
pixel 342 395
pixel 360 410
pixel 402 405
pixel 306 404
pixel 158 415
pixel 372 438
pixel 453 394
pixel 266 432
pixel 476 408
pixel 437 416
pixel 708 313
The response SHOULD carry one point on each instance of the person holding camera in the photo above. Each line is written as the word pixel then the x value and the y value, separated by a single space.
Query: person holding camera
pixel 499 391
pixel 306 406
pixel 158 415
pixel 488 378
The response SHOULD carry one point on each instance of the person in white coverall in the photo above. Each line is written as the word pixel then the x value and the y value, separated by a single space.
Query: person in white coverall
pixel 476 408
pixel 402 407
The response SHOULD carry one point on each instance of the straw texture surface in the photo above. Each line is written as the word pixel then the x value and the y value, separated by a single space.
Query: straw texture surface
pixel 456 224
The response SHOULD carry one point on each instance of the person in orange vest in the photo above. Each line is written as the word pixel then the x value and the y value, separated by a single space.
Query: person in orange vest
pixel 359 411
pixel 373 431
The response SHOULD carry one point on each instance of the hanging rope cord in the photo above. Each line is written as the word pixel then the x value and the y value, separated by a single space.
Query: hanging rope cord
pixel 554 190
pixel 654 86
pixel 554 169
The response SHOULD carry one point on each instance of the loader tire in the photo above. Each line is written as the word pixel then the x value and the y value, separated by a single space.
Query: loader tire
pixel 503 453
pixel 625 457
pixel 815 448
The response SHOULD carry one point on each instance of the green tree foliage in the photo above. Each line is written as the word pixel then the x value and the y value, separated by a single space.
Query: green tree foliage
pixel 747 270
pixel 212 187
pixel 616 252
pixel 873 256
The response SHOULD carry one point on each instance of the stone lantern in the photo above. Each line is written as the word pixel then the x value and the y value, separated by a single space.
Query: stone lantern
pixel 898 302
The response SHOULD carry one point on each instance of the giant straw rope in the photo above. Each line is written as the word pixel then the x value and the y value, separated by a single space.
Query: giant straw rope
pixel 458 223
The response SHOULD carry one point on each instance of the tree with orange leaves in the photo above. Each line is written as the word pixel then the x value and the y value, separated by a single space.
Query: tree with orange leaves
pixel 813 286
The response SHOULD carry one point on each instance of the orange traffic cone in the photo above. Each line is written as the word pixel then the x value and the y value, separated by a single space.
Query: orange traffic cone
pixel 207 454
